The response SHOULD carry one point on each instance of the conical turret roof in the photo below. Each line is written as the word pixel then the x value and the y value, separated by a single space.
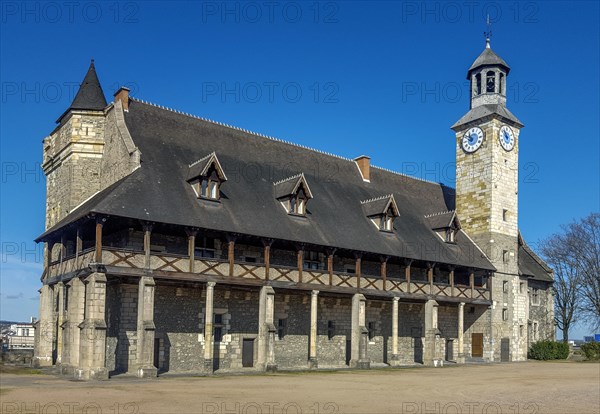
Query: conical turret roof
pixel 90 95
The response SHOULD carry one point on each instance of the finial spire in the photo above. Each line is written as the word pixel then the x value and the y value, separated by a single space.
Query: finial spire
pixel 488 33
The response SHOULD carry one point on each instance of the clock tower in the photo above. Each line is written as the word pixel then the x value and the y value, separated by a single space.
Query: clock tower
pixel 487 155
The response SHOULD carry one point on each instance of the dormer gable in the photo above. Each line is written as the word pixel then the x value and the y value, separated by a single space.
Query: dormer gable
pixel 293 193
pixel 446 224
pixel 206 177
pixel 382 211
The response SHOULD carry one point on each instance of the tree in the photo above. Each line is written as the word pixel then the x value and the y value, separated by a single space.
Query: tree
pixel 584 238
pixel 566 282
pixel 574 255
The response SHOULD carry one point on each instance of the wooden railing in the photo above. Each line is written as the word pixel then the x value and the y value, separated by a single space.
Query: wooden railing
pixel 169 262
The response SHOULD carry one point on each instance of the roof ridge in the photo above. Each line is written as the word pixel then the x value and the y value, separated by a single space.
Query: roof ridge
pixel 272 138
pixel 377 198
pixel 288 179
pixel 439 214
pixel 202 159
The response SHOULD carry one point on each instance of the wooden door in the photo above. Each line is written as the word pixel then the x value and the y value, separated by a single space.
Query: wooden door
pixel 477 345
pixel 505 350
pixel 248 353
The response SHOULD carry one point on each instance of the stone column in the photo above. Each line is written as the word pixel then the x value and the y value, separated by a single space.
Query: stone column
pixel 313 361
pixel 430 356
pixel 44 329
pixel 92 342
pixel 461 333
pixel 145 328
pixel 208 328
pixel 266 330
pixel 395 360
pixel 59 290
pixel 75 314
pixel 359 339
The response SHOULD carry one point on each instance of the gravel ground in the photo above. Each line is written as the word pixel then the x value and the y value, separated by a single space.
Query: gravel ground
pixel 527 388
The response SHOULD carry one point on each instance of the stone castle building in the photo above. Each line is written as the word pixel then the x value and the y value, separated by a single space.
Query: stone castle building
pixel 179 244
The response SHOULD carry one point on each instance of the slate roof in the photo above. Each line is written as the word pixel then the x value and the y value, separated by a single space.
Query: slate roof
pixel 479 112
pixel 441 220
pixel 90 95
pixel 488 58
pixel 170 141
pixel 379 205
pixel 530 264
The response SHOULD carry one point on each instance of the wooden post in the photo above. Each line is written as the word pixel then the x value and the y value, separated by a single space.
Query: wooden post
pixel 451 277
pixel 472 283
pixel 78 246
pixel 330 254
pixel 147 233
pixel 267 243
pixel 384 260
pixel 300 263
pixel 358 270
pixel 231 254
pixel 407 264
pixel 99 225
pixel 191 233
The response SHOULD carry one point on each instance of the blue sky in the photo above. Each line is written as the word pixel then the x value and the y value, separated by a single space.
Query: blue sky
pixel 383 79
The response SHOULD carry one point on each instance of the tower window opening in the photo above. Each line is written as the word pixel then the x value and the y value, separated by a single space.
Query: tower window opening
pixel 505 215
pixel 478 84
pixel 490 82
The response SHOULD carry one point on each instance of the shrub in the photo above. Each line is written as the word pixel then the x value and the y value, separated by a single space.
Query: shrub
pixel 546 350
pixel 591 350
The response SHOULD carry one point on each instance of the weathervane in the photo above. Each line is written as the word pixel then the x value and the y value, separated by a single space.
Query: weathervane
pixel 488 33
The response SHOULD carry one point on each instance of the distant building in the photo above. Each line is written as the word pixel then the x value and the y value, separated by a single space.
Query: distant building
pixel 22 336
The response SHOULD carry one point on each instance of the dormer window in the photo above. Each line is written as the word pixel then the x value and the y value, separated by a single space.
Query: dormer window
pixel 293 193
pixel 206 176
pixel 382 211
pixel 445 224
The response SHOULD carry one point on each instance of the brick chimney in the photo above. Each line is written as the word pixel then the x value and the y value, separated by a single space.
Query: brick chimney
pixel 123 95
pixel 364 166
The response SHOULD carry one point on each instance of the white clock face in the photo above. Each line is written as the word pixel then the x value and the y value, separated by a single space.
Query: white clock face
pixel 507 138
pixel 472 139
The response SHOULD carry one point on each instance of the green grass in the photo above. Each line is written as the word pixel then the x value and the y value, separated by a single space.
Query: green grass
pixel 18 370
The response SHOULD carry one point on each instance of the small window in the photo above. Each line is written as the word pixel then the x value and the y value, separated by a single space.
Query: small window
pixel 505 256
pixel 330 330
pixel 311 260
pixel 521 331
pixel 297 203
pixel 386 221
pixel 371 328
pixel 505 314
pixel 450 235
pixel 209 186
pixel 521 287
pixel 505 286
pixel 281 328
pixel 535 296
pixel 535 331
pixel 505 215
pixel 218 319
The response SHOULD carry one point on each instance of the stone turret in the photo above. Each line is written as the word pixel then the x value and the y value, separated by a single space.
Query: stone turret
pixel 73 151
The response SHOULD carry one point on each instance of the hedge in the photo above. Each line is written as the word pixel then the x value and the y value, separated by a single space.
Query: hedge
pixel 591 350
pixel 546 350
